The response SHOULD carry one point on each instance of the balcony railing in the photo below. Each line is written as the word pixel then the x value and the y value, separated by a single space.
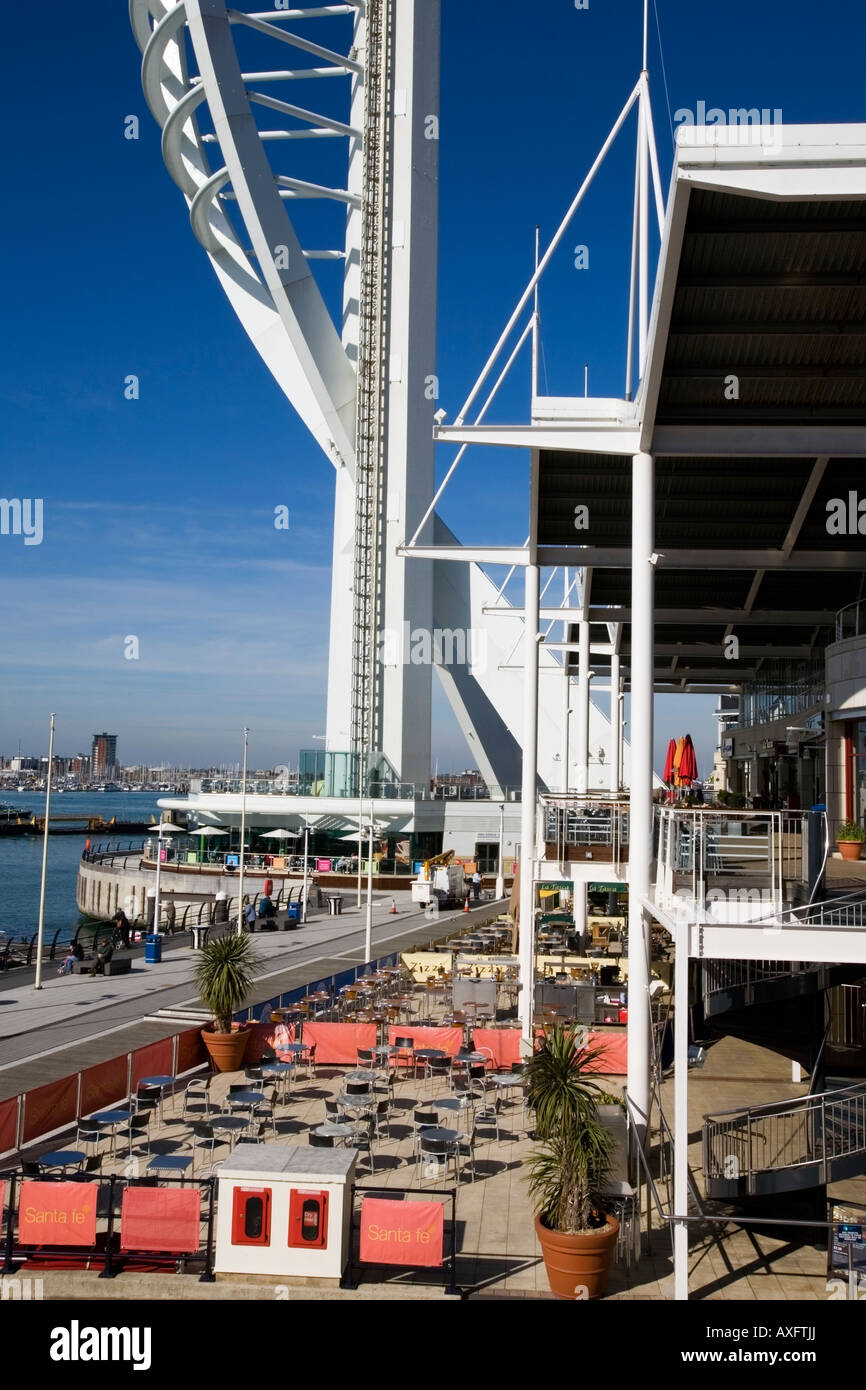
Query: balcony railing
pixel 851 620
pixel 380 791
pixel 572 825
pixel 738 865
pixel 817 1130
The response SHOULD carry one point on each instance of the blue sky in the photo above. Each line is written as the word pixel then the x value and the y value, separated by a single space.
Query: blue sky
pixel 158 512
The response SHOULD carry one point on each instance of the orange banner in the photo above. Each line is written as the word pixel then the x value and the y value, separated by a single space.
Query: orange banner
pixel 8 1124
pixel 49 1107
pixel 57 1213
pixel 154 1060
pixel 401 1233
pixel 338 1043
pixel 504 1043
pixel 103 1085
pixel 159 1218
pixel 445 1039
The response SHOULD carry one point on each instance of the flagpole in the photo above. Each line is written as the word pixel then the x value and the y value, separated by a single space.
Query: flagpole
pixel 37 984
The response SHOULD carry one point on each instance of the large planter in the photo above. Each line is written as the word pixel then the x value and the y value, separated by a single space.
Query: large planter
pixel 577 1266
pixel 850 849
pixel 226 1049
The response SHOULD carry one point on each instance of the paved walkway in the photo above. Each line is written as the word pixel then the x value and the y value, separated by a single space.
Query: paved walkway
pixel 76 1021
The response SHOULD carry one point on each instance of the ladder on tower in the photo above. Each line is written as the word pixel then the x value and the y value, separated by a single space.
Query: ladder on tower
pixel 372 348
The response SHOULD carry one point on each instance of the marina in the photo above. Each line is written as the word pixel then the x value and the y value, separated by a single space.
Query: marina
pixel 446 878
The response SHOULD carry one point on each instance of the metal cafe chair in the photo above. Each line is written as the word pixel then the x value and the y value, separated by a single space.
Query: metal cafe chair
pixel 421 1120
pixel 435 1156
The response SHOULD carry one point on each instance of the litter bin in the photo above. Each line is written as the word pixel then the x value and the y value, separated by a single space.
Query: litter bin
pixel 153 950
pixel 335 904
pixel 293 913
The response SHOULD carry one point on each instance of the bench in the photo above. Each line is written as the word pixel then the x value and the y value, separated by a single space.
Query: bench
pixel 118 965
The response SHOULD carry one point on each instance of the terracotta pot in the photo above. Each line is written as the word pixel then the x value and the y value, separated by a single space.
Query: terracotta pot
pixel 226 1049
pixel 578 1263
pixel 850 849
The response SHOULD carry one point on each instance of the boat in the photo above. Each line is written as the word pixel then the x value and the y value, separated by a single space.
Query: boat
pixel 13 813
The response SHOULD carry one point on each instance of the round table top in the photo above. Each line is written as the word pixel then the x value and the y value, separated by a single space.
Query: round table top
pixel 506 1078
pixel 430 1052
pixel 156 1081
pixel 170 1161
pixel 470 1059
pixel 444 1136
pixel 361 1074
pixel 333 1129
pixel 227 1122
pixel 61 1158
pixel 294 1047
pixel 277 1068
pixel 453 1103
pixel 386 1050
pixel 113 1117
pixel 248 1097
pixel 358 1102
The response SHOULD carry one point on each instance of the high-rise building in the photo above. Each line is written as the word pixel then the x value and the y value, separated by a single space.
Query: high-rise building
pixel 103 755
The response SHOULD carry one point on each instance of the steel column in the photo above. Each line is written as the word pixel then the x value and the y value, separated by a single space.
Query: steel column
pixel 640 798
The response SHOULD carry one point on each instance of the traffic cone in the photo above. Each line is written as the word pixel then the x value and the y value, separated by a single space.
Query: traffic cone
pixel 466 905
pixel 393 911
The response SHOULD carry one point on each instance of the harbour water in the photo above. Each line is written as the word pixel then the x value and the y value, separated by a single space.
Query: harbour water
pixel 21 858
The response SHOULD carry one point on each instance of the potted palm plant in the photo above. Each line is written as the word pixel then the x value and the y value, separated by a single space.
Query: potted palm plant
pixel 568 1173
pixel 224 976
pixel 849 838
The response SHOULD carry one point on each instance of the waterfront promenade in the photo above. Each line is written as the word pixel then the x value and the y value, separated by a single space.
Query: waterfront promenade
pixel 76 1021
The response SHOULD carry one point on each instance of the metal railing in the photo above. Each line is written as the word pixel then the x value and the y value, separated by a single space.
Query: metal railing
pixel 747 856
pixel 723 976
pixel 740 1145
pixel 380 791
pixel 851 620
pixel 589 821
pixel 848 910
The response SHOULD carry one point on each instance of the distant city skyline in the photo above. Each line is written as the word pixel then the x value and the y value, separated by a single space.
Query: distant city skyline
pixel 156 516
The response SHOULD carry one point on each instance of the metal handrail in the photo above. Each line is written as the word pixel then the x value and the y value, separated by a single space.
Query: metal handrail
pixel 794 1134
pixel 859 610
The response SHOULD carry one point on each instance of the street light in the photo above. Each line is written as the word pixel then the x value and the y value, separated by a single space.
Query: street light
pixel 500 877
pixel 243 833
pixel 37 984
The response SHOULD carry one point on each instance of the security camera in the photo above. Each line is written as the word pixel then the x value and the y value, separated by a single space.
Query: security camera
pixel 439 416
pixel 654 558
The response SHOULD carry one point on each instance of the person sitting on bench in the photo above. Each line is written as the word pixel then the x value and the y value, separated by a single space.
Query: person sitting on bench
pixel 103 956
pixel 266 907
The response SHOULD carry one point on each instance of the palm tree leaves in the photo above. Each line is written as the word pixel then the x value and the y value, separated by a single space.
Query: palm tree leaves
pixel 224 976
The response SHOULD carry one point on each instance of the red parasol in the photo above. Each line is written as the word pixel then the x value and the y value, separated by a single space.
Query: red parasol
pixel 668 774
pixel 688 763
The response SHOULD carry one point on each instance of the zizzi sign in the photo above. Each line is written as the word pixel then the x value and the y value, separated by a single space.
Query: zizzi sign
pixel 57 1213
pixel 401 1233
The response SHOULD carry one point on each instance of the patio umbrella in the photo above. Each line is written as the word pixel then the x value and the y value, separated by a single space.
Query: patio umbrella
pixel 688 763
pixel 667 775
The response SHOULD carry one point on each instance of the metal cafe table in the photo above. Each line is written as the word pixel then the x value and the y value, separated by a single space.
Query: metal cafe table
pixel 332 1130
pixel 112 1120
pixel 281 1072
pixel 173 1164
pixel 62 1158
pixel 229 1124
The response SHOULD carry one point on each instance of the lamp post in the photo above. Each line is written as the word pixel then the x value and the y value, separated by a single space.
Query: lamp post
pixel 306 851
pixel 368 931
pixel 159 844
pixel 243 833
pixel 500 877
pixel 37 984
